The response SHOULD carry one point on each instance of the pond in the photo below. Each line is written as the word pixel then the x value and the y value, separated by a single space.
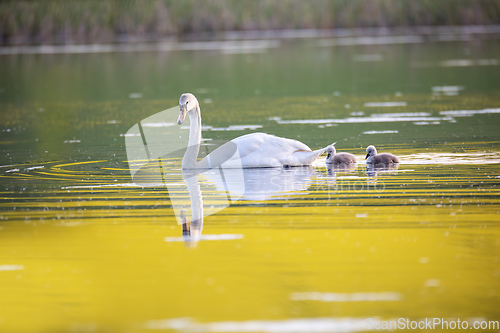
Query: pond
pixel 85 247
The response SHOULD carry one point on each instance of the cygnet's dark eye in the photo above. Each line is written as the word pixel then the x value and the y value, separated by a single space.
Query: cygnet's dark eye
pixel 187 102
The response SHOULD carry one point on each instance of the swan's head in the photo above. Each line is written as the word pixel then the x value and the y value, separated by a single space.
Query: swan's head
pixel 370 151
pixel 330 153
pixel 187 103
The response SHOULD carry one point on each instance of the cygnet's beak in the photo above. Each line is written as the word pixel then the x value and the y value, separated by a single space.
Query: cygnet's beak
pixel 328 154
pixel 182 114
pixel 367 156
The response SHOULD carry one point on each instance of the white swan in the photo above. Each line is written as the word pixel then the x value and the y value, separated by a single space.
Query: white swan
pixel 256 150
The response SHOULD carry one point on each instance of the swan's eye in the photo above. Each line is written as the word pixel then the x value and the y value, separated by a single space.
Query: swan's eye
pixel 187 102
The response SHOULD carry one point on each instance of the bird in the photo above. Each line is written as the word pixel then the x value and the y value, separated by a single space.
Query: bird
pixel 255 150
pixel 379 159
pixel 332 157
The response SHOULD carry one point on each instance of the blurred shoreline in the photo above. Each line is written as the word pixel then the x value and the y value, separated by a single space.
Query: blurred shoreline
pixel 74 22
pixel 258 41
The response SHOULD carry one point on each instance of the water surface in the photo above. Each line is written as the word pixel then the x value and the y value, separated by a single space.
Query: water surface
pixel 85 248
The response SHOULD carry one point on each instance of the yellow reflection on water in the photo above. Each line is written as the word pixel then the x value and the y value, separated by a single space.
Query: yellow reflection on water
pixel 94 258
pixel 118 274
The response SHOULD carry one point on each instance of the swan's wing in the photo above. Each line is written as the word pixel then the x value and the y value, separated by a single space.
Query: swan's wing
pixel 301 157
pixel 267 145
pixel 263 150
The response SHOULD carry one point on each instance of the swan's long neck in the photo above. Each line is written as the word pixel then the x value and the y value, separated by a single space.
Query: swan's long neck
pixel 196 197
pixel 191 154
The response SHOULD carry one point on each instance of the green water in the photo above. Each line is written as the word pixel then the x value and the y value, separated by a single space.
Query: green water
pixel 85 249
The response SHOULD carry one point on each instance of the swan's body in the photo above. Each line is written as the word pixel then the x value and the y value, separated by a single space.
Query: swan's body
pixel 265 150
pixel 379 159
pixel 255 150
pixel 333 157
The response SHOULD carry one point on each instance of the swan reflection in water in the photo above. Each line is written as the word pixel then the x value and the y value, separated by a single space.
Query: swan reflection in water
pixel 199 192
pixel 263 183
pixel 332 169
pixel 192 227
pixel 373 170
pixel 222 187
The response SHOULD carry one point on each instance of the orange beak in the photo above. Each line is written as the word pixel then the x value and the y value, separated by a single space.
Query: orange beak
pixel 182 114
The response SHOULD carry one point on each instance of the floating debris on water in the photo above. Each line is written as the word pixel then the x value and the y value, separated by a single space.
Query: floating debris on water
pixel 384 104
pixel 374 118
pixel 381 132
pixel 427 123
pixel 271 326
pixel 402 114
pixel 34 168
pixel 110 185
pixel 346 297
pixel 469 62
pixel 70 224
pixel 469 113
pixel 11 267
pixel 453 158
pixel 205 238
pixel 447 90
pixel 234 128
pixel 418 118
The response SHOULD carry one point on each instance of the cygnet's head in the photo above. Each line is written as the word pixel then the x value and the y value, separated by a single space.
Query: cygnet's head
pixel 370 151
pixel 187 103
pixel 330 153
